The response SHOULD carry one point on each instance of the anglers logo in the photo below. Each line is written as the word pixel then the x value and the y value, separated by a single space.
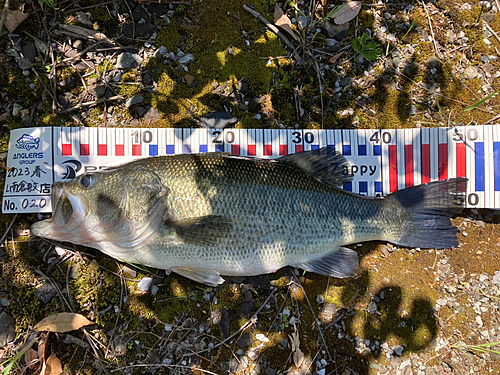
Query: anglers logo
pixel 28 142
pixel 72 168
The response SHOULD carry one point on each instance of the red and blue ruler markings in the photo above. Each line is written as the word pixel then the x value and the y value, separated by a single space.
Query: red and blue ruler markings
pixel 383 160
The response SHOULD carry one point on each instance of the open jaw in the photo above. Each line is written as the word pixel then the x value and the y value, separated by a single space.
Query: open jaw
pixel 67 222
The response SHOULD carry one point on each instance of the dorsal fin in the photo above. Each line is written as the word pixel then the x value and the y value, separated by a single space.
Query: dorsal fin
pixel 329 166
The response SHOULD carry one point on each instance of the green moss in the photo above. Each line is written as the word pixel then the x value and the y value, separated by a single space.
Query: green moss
pixel 169 36
pixel 99 14
pixel 213 63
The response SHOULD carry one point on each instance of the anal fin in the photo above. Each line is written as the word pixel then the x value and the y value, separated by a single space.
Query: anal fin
pixel 207 277
pixel 340 263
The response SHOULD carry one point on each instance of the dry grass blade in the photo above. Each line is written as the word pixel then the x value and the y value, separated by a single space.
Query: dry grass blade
pixel 282 20
pixel 347 12
pixel 62 322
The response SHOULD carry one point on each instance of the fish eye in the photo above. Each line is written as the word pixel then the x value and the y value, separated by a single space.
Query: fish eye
pixel 87 180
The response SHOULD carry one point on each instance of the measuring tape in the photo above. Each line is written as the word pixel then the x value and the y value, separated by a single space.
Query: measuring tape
pixel 383 160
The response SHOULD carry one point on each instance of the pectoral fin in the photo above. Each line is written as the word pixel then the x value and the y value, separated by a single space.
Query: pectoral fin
pixel 207 277
pixel 202 231
pixel 341 263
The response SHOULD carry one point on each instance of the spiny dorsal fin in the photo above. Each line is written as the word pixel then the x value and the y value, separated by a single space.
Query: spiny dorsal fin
pixel 329 166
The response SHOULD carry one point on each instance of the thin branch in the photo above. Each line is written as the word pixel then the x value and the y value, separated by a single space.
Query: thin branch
pixel 88 7
pixel 86 104
pixel 249 322
pixel 491 31
pixel 8 228
pixel 432 31
pixel 274 29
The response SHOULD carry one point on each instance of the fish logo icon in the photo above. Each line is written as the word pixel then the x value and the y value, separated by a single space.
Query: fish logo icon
pixel 72 168
pixel 28 142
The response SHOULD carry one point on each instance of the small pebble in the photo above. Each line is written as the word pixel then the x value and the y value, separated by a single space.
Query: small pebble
pixel 144 284
pixel 261 337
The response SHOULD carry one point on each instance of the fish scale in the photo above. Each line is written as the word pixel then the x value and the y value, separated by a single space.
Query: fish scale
pixel 206 215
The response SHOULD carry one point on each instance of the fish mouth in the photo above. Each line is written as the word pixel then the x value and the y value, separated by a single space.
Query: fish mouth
pixel 68 212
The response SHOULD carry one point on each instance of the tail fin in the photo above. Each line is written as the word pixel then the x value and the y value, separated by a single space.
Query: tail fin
pixel 431 206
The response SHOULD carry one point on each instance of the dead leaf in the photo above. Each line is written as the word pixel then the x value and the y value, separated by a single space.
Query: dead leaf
pixel 84 18
pixel 62 322
pixel 52 366
pixel 87 33
pixel 298 357
pixel 13 19
pixel 347 12
pixel 333 59
pixel 31 358
pixel 42 347
pixel 282 20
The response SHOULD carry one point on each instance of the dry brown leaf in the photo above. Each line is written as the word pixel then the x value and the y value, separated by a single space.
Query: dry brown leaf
pixel 87 33
pixel 52 366
pixel 62 322
pixel 13 19
pixel 348 11
pixel 282 20
pixel 42 347
pixel 298 357
pixel 31 358
pixel 84 18
pixel 334 58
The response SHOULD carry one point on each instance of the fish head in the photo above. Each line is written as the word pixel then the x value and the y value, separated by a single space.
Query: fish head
pixel 113 210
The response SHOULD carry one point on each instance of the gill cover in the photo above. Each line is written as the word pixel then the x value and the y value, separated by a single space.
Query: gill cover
pixel 141 214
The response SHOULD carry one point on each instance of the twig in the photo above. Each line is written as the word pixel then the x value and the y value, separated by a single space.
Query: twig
pixel 115 48
pixel 122 282
pixel 88 7
pixel 320 92
pixel 240 37
pixel 54 285
pixel 316 321
pixel 172 367
pixel 55 103
pixel 85 88
pixel 244 326
pixel 432 31
pixel 491 120
pixel 132 18
pixel 4 166
pixel 491 31
pixel 438 94
pixel 4 14
pixel 274 29
pixel 8 228
pixel 86 104
pixel 79 54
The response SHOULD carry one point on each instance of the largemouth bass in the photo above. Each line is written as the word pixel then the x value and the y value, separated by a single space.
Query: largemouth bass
pixel 207 215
